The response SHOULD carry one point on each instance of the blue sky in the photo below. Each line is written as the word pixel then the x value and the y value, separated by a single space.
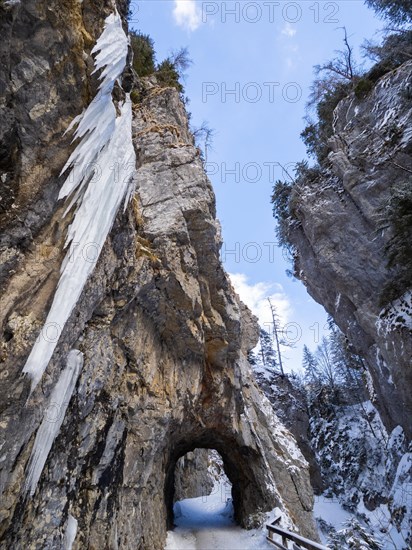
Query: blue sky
pixel 264 53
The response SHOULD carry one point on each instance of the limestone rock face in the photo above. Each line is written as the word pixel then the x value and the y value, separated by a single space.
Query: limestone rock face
pixel 192 477
pixel 44 83
pixel 290 404
pixel 340 247
pixel 163 334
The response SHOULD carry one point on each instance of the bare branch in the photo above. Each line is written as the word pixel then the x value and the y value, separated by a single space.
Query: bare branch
pixel 206 134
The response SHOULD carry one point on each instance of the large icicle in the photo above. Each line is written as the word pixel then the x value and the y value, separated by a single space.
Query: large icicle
pixel 71 532
pixel 101 169
pixel 53 419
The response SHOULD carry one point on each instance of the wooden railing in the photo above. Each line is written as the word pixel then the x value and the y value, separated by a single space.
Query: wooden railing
pixel 298 542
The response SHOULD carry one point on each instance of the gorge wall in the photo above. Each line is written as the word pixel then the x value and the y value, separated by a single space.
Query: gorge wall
pixel 193 477
pixel 162 335
pixel 340 244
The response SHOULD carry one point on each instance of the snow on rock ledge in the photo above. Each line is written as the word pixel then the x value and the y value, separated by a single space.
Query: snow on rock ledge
pixel 398 315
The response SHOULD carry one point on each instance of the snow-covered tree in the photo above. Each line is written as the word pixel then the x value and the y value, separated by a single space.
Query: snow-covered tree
pixel 309 364
pixel 267 353
pixel 349 366
pixel 353 536
pixel 334 369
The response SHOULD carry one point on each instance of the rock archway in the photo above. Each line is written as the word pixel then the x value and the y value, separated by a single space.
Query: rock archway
pixel 249 497
pixel 198 473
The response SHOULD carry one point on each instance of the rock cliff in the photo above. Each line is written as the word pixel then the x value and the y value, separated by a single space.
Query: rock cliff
pixel 290 405
pixel 164 338
pixel 340 243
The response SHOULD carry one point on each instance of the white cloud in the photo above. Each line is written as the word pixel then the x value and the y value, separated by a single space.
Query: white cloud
pixel 255 297
pixel 288 30
pixel 289 46
pixel 187 14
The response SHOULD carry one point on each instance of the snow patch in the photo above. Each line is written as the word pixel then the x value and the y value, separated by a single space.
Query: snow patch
pixel 53 419
pixel 337 301
pixel 206 523
pixel 397 315
pixel 369 475
pixel 390 114
pixel 100 172
pixel 331 511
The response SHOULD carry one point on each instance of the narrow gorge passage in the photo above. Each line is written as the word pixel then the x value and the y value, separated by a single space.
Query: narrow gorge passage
pixel 210 525
pixel 154 335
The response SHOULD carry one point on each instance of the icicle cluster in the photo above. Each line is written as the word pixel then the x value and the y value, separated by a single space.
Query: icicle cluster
pixel 101 169
pixel 53 419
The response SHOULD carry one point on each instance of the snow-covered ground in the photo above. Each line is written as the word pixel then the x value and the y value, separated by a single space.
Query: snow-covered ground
pixel 329 510
pixel 365 468
pixel 385 531
pixel 206 523
pixel 378 521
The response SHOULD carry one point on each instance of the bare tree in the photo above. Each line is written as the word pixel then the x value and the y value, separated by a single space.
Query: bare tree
pixel 326 365
pixel 181 61
pixel 204 134
pixel 277 334
pixel 341 69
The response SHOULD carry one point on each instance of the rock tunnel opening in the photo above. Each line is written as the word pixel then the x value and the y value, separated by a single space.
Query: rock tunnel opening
pixel 202 492
pixel 241 465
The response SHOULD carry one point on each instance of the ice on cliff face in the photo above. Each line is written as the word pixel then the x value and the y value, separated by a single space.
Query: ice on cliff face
pixel 71 532
pixel 100 172
pixel 53 419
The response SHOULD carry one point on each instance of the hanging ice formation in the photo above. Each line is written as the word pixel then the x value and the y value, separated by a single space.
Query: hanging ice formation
pixel 99 180
pixel 53 419
pixel 71 532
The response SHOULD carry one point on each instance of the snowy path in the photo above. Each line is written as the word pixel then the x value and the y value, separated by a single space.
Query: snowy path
pixel 206 523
